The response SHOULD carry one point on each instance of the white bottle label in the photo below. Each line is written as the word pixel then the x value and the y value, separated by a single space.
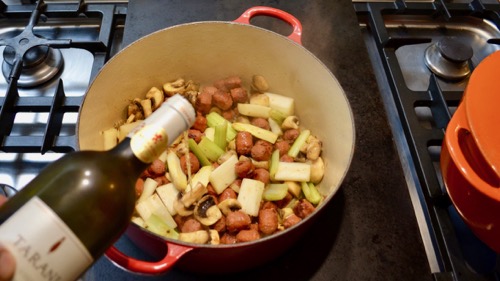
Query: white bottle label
pixel 44 247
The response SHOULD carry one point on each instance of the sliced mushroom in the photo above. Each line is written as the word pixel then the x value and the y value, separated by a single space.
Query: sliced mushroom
pixel 199 237
pixel 146 107
pixel 214 237
pixel 291 122
pixel 181 209
pixel 157 97
pixel 176 87
pixel 259 99
pixel 229 205
pixel 206 211
pixel 259 83
pixel 193 195
pixel 317 170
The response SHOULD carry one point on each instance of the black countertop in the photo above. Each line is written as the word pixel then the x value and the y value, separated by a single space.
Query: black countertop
pixel 369 230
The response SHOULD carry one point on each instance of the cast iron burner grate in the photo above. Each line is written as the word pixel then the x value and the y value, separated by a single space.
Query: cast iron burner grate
pixel 460 256
pixel 58 103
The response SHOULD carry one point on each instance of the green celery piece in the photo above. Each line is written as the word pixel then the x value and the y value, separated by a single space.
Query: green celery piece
pixel 255 131
pixel 311 193
pixel 210 149
pixel 220 135
pixel 275 191
pixel 277 116
pixel 273 165
pixel 214 119
pixel 298 143
pixel 156 225
pixel 193 147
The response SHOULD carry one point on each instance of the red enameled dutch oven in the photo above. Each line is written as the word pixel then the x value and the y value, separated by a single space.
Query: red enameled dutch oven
pixel 470 157
pixel 206 52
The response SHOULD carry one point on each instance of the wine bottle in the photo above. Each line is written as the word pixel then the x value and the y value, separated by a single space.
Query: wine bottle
pixel 79 205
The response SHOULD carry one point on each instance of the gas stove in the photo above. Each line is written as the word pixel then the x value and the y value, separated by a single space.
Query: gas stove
pixel 422 54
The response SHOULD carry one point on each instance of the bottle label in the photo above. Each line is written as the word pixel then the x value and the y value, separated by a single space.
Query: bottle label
pixel 149 142
pixel 44 247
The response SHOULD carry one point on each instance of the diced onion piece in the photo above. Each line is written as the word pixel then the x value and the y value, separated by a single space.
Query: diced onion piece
pixel 224 175
pixel 256 132
pixel 154 205
pixel 168 194
pixel 293 171
pixel 253 110
pixel 281 103
pixel 110 138
pixel 275 191
pixel 148 190
pixel 179 179
pixel 250 196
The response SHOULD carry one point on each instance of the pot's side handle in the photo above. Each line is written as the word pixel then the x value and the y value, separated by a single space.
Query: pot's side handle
pixel 174 253
pixel 262 10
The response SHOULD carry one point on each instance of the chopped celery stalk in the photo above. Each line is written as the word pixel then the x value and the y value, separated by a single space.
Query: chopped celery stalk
pixel 179 179
pixel 298 143
pixel 220 135
pixel 254 110
pixel 210 149
pixel 214 119
pixel 154 205
pixel 224 175
pixel 275 191
pixel 275 127
pixel 202 176
pixel 210 133
pixel 193 146
pixel 168 193
pixel 148 190
pixel 292 203
pixel 310 193
pixel 273 165
pixel 156 225
pixel 250 196
pixel 281 103
pixel 277 116
pixel 315 195
pixel 257 132
pixel 293 171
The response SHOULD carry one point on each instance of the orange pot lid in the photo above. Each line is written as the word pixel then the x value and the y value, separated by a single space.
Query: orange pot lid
pixel 482 106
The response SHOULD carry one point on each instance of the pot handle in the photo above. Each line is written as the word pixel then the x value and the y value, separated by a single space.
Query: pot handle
pixel 262 10
pixel 174 253
pixel 464 150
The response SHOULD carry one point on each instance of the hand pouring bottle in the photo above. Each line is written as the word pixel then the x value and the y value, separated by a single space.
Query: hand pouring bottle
pixel 79 205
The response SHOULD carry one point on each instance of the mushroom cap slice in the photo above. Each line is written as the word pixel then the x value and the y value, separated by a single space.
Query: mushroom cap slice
pixel 206 211
pixel 229 205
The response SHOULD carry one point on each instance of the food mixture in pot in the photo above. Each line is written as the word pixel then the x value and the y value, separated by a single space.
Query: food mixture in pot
pixel 245 170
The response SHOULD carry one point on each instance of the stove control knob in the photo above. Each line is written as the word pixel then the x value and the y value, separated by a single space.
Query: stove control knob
pixel 449 58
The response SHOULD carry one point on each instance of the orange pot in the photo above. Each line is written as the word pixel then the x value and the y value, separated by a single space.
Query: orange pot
pixel 470 157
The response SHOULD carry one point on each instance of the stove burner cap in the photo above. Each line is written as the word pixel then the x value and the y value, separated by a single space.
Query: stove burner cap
pixel 449 59
pixel 40 64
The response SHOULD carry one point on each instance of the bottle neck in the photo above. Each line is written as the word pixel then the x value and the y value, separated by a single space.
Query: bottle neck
pixel 123 152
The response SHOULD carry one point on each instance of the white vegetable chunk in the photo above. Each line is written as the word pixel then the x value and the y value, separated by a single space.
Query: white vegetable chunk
pixel 154 205
pixel 254 110
pixel 148 190
pixel 224 175
pixel 281 103
pixel 293 171
pixel 250 196
pixel 168 194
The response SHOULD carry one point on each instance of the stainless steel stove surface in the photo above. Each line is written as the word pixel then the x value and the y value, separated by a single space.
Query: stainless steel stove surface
pixel 423 54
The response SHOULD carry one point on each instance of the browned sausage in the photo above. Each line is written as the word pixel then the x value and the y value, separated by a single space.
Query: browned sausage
pixel 291 220
pixel 248 235
pixel 157 168
pixel 262 175
pixel 244 143
pixel 195 163
pixel 286 158
pixel 290 135
pixel 262 150
pixel 211 191
pixel 228 83
pixel 220 225
pixel 200 123
pixel 244 169
pixel 283 146
pixel 180 220
pixel 239 95
pixel 303 209
pixel 195 135
pixel 204 99
pixel 191 225
pixel 227 193
pixel 261 123
pixel 222 100
pixel 139 187
pixel 269 205
pixel 236 221
pixel 268 221
pixel 228 239
pixel 283 202
pixel 161 180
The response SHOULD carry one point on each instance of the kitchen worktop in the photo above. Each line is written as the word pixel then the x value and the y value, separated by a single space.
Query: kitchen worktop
pixel 369 230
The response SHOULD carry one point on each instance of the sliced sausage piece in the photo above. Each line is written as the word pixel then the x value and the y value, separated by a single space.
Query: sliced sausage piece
pixel 236 221
pixel 227 193
pixel 200 123
pixel 204 99
pixel 291 220
pixel 228 238
pixel 222 100
pixel 283 146
pixel 194 162
pixel 191 225
pixel 262 150
pixel 248 235
pixel 261 123
pixel 244 169
pixel 244 143
pixel 195 135
pixel 220 225
pixel 290 135
pixel 157 168
pixel 262 175
pixel 239 95
pixel 303 209
pixel 268 221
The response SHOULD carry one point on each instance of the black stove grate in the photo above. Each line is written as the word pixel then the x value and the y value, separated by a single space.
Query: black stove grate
pixel 59 103
pixel 425 143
